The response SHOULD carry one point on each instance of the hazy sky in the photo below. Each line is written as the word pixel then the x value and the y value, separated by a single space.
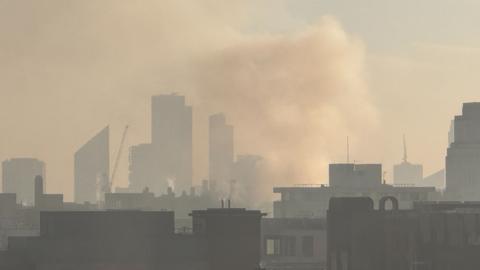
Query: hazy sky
pixel 295 77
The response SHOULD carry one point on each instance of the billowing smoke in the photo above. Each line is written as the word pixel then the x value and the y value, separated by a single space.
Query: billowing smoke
pixel 293 98
pixel 68 68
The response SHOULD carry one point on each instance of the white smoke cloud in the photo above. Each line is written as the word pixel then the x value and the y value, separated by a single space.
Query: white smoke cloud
pixel 67 68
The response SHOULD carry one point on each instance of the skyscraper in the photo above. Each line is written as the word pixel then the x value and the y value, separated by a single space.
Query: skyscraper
pixel 172 140
pixel 18 177
pixel 92 162
pixel 463 155
pixel 221 151
pixel 143 171
pixel 167 160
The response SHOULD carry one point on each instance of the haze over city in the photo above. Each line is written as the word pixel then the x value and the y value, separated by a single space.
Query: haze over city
pixel 372 71
pixel 240 135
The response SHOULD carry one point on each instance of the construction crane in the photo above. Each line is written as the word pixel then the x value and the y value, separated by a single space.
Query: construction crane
pixel 117 158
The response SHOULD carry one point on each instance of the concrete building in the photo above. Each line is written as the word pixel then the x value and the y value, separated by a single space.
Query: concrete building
pixel 221 152
pixel 294 243
pixel 355 175
pixel 46 201
pixel 233 237
pixel 431 236
pixel 221 239
pixel 92 161
pixel 407 173
pixel 346 180
pixel 143 172
pixel 436 179
pixel 172 139
pixel 462 169
pixel 167 160
pixel 313 201
pixel 181 204
pixel 18 175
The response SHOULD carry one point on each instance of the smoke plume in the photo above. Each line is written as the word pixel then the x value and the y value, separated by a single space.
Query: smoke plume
pixel 67 68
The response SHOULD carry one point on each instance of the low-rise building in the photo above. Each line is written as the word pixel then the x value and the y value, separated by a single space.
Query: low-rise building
pixel 431 236
pixel 294 243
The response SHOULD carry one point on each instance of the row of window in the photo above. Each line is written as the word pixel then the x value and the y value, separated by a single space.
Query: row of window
pixel 282 245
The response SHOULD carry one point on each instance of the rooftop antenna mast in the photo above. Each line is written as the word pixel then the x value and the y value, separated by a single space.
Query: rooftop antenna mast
pixel 348 151
pixel 404 149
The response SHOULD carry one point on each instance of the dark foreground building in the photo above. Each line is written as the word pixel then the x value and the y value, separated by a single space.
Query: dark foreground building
pixel 294 243
pixel 221 239
pixel 431 236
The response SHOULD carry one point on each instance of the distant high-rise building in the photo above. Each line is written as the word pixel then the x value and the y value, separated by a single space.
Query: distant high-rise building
pixel 244 187
pixel 355 175
pixel 18 177
pixel 221 151
pixel 463 155
pixel 172 140
pixel 92 161
pixel 436 179
pixel 167 161
pixel 407 173
pixel 143 170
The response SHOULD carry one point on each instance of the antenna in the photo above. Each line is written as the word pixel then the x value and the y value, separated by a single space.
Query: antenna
pixel 348 151
pixel 404 149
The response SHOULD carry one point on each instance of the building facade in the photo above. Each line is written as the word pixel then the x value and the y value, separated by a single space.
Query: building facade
pixel 143 240
pixel 92 162
pixel 462 171
pixel 294 243
pixel 18 176
pixel 407 173
pixel 431 236
pixel 167 160
pixel 221 152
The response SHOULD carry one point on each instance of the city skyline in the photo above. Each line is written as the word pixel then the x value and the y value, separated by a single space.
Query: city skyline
pixel 93 80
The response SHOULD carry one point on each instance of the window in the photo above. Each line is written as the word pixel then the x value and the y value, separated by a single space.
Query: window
pixel 280 246
pixel 307 246
pixel 272 246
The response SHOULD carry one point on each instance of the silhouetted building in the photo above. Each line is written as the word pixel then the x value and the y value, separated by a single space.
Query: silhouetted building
pixel 172 138
pixel 18 175
pixel 222 239
pixel 181 204
pixel 355 175
pixel 407 173
pixel 221 152
pixel 167 161
pixel 233 237
pixel 92 161
pixel 143 169
pixel 312 201
pixel 46 201
pixel 436 179
pixel 244 188
pixel 463 156
pixel 431 236
pixel 346 180
pixel 294 243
